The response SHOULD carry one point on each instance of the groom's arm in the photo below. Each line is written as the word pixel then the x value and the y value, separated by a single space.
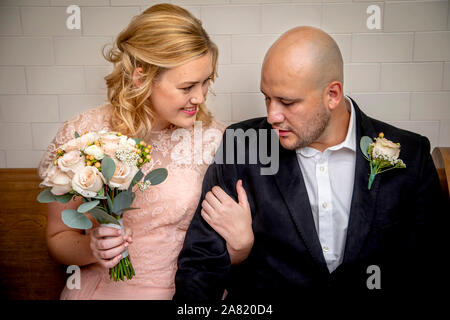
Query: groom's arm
pixel 204 263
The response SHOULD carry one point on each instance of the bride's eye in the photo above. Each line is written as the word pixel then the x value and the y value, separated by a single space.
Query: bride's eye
pixel 187 89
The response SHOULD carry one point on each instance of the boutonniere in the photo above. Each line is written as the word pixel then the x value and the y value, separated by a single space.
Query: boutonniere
pixel 382 155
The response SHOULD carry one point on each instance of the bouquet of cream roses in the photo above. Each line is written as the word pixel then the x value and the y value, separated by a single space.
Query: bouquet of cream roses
pixel 101 168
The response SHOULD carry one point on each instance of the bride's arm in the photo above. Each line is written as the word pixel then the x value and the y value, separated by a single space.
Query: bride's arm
pixel 230 219
pixel 73 247
pixel 68 246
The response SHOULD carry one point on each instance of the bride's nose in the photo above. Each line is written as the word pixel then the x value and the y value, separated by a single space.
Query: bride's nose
pixel 197 97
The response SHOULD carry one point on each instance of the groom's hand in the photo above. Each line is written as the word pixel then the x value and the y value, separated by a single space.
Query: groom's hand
pixel 230 219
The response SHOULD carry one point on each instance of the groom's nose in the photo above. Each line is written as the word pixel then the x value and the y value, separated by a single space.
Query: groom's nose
pixel 274 114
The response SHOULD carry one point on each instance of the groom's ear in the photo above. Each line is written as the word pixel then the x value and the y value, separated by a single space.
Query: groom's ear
pixel 137 75
pixel 333 95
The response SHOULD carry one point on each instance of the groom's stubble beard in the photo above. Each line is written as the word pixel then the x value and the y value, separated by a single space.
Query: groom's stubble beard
pixel 310 131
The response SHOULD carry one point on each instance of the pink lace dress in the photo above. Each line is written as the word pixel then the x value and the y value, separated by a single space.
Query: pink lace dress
pixel 159 226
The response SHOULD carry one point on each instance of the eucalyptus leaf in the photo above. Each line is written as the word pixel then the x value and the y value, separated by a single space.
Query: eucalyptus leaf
pixel 364 145
pixel 137 140
pixel 108 168
pixel 46 196
pixel 74 219
pixel 64 198
pixel 85 207
pixel 120 212
pixel 121 201
pixel 77 135
pixel 156 176
pixel 102 217
pixel 137 177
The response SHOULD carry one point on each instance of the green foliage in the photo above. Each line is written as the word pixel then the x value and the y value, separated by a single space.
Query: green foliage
pixel 76 220
pixel 156 176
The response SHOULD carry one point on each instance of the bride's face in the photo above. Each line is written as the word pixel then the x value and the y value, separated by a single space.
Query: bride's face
pixel 178 92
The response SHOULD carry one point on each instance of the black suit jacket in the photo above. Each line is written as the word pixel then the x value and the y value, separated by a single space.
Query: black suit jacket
pixel 386 228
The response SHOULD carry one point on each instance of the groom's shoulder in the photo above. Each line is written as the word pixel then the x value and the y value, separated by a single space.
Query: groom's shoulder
pixel 405 137
pixel 254 123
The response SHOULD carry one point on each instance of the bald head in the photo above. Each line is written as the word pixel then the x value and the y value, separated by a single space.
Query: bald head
pixel 309 51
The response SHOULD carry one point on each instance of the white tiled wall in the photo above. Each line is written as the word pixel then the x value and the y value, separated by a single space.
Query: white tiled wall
pixel 48 73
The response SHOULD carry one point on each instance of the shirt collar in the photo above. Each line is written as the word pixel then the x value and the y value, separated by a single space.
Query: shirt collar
pixel 348 143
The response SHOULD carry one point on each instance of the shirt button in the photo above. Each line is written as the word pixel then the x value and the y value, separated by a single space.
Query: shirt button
pixel 324 205
pixel 325 248
pixel 322 168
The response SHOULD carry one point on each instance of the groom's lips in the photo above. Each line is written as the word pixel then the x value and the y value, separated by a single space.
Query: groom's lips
pixel 282 132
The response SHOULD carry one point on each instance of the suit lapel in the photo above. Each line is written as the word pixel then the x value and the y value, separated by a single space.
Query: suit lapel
pixel 292 187
pixel 362 207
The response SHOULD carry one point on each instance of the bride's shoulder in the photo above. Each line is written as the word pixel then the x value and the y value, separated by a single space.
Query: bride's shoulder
pixel 215 124
pixel 94 119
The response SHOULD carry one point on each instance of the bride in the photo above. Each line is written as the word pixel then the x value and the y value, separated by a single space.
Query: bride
pixel 164 62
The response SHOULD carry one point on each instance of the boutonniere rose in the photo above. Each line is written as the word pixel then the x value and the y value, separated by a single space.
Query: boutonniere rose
pixel 382 154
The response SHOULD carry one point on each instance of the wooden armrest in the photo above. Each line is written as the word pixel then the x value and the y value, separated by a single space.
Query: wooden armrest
pixel 441 159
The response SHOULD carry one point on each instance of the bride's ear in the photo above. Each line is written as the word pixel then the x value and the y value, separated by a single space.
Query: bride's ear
pixel 137 75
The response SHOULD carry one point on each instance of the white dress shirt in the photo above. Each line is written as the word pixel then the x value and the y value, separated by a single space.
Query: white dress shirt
pixel 329 178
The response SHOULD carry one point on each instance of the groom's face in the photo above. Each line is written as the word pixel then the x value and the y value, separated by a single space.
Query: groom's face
pixel 294 103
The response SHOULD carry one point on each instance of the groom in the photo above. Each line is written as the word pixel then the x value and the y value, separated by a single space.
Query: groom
pixel 318 227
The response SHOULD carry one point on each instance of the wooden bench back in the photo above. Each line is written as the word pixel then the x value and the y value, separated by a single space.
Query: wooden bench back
pixel 26 269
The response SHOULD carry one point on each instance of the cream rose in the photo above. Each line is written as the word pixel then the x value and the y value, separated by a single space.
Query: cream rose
pixel 71 162
pixel 123 175
pixel 88 181
pixel 74 144
pixel 109 138
pixel 388 149
pixel 110 149
pixel 95 151
pixel 58 180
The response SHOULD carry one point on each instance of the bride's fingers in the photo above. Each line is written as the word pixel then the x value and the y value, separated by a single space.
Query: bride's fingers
pixel 212 200
pixel 106 244
pixel 221 195
pixel 242 195
pixel 207 207
pixel 111 263
pixel 111 253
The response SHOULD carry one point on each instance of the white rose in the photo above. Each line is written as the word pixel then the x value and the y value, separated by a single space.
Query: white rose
pixel 109 138
pixel 123 175
pixel 95 151
pixel 388 149
pixel 110 149
pixel 131 142
pixel 71 162
pixel 58 180
pixel 88 181
pixel 89 137
pixel 74 144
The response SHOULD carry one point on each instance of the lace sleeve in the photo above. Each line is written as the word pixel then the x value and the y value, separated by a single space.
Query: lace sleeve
pixel 92 120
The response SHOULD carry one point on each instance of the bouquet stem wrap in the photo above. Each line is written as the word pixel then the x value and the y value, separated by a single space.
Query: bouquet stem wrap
pixel 124 268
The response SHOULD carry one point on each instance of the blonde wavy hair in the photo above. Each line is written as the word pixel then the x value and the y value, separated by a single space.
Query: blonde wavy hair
pixel 162 37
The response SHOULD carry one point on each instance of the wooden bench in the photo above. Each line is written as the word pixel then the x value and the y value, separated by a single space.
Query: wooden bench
pixel 27 270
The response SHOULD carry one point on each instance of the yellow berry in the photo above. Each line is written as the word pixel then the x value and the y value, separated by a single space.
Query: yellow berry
pixel 148 157
pixel 381 135
pixel 147 150
pixel 88 163
pixel 140 160
pixel 143 143
pixel 97 165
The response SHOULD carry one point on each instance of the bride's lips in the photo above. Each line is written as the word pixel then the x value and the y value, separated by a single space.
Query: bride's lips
pixel 192 111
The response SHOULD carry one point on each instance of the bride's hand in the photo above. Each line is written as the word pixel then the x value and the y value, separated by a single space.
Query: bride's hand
pixel 232 220
pixel 107 244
